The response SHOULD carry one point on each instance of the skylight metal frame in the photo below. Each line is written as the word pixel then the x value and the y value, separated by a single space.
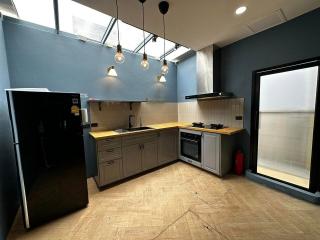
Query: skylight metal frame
pixel 108 30
pixel 56 15
pixel 143 43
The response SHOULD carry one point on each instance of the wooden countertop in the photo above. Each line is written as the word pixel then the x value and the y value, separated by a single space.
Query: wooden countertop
pixel 108 134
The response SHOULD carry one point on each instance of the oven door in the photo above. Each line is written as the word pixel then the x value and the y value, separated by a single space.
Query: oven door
pixel 190 147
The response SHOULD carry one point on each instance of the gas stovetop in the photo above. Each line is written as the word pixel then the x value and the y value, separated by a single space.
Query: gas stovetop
pixel 208 126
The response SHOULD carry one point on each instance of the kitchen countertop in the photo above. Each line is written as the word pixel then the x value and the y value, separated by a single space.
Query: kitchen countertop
pixel 155 127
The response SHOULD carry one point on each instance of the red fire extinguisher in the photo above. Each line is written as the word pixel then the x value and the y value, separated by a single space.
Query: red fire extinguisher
pixel 239 162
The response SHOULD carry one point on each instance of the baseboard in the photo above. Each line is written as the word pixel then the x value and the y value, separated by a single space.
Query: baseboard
pixel 285 188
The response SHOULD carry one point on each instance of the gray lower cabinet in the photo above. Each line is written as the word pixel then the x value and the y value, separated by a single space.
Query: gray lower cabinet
pixel 140 153
pixel 217 153
pixel 109 161
pixel 131 159
pixel 149 157
pixel 211 152
pixel 110 171
pixel 168 146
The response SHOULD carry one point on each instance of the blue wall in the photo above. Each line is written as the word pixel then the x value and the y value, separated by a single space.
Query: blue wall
pixel 186 78
pixel 8 178
pixel 37 57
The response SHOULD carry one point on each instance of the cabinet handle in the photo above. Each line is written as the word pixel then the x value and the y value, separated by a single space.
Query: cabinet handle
pixel 110 150
pixel 110 162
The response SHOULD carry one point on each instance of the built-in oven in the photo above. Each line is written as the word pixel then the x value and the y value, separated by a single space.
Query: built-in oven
pixel 190 146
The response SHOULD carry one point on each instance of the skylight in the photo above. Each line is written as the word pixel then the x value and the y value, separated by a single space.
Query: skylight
pixel 177 53
pixel 36 11
pixel 155 49
pixel 81 20
pixel 130 37
pixel 86 22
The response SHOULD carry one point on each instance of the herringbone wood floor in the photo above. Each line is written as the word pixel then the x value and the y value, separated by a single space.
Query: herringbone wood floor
pixel 183 202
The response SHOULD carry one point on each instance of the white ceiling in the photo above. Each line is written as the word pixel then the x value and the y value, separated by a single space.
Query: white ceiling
pixel 197 24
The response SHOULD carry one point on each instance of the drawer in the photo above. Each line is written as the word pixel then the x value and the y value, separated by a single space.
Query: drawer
pixel 110 171
pixel 139 138
pixel 108 143
pixel 109 154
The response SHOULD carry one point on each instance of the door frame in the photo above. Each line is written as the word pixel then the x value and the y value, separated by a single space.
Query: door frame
pixel 255 103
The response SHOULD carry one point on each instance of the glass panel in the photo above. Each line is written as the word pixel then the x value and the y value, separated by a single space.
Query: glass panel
pixel 155 49
pixel 81 20
pixel 130 37
pixel 177 53
pixel 36 11
pixel 286 121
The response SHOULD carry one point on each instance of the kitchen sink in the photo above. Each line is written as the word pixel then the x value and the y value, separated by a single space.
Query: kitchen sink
pixel 132 129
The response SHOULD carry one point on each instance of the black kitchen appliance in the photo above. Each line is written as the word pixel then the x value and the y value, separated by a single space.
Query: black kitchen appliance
pixel 190 146
pixel 49 149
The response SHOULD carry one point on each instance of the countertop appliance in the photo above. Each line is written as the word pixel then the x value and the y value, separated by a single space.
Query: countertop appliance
pixel 49 149
pixel 190 146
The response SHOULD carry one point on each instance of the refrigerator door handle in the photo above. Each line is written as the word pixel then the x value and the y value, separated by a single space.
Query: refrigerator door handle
pixel 18 158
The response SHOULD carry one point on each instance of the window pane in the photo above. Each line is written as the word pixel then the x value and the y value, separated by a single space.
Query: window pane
pixel 36 11
pixel 130 37
pixel 81 20
pixel 155 49
pixel 177 53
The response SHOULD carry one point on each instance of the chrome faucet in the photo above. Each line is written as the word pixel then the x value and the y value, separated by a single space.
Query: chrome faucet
pixel 130 120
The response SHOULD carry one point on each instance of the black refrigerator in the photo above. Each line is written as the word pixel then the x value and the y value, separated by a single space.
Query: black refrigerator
pixel 49 149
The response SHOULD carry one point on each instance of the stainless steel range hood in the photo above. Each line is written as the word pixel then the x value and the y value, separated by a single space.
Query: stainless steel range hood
pixel 208 75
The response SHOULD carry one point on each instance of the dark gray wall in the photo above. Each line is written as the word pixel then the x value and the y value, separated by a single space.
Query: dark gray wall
pixel 8 177
pixel 294 40
pixel 37 57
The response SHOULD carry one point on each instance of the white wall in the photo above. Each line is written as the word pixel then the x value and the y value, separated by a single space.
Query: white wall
pixel 292 91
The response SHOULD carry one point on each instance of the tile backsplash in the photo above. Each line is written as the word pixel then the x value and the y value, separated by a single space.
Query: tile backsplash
pixel 213 111
pixel 114 115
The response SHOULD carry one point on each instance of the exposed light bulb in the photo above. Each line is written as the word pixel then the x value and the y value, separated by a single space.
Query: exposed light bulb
pixel 144 63
pixel 119 57
pixel 164 68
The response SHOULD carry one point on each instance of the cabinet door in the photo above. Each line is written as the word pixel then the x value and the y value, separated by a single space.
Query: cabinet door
pixel 110 171
pixel 131 159
pixel 211 152
pixel 149 155
pixel 168 146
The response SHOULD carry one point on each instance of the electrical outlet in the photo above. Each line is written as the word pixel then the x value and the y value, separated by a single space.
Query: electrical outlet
pixel 238 117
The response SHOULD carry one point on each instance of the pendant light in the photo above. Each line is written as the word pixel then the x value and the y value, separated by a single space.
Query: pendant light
pixel 118 57
pixel 111 71
pixel 163 8
pixel 144 63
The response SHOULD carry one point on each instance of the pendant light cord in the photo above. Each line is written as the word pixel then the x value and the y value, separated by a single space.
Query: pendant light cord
pixel 164 38
pixel 118 22
pixel 144 37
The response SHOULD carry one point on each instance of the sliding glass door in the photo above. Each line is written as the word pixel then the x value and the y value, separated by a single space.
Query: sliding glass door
pixel 284 118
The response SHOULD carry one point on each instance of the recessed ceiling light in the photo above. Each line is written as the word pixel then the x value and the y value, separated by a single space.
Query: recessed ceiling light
pixel 241 10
